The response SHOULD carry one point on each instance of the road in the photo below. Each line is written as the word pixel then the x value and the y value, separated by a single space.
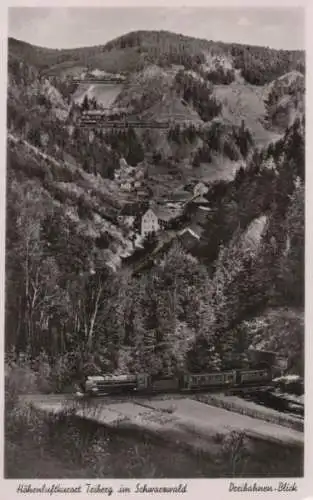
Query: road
pixel 180 419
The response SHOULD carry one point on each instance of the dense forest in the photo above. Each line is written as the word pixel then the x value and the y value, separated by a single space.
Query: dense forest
pixel 180 313
pixel 259 65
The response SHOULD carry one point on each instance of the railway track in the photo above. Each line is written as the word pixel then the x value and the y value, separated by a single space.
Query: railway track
pixel 122 125
pixel 139 398
pixel 132 395
pixel 281 404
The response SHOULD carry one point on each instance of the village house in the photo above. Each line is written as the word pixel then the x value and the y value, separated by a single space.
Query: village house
pixel 126 186
pixel 129 178
pixel 200 189
pixel 202 213
pixel 166 216
pixel 149 223
pixel 139 174
pixel 180 195
pixel 127 221
pixel 44 139
pixel 117 175
pixel 157 218
pixel 190 236
pixel 123 163
pixel 200 200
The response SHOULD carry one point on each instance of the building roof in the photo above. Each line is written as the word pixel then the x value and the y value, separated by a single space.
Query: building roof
pixel 180 195
pixel 197 228
pixel 200 200
pixel 150 210
pixel 193 230
pixel 164 213
pixel 201 184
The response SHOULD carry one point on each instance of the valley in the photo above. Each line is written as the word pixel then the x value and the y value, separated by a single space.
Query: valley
pixel 176 245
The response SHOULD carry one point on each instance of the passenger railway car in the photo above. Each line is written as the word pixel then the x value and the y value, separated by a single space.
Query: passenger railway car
pixel 165 384
pixel 196 382
pixel 254 376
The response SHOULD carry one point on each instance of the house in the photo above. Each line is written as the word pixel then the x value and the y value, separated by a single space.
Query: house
pixel 200 200
pixel 44 139
pixel 190 236
pixel 202 213
pixel 139 174
pixel 180 195
pixel 190 232
pixel 200 189
pixel 158 217
pixel 126 186
pixel 204 209
pixel 149 223
pixel 123 163
pixel 165 216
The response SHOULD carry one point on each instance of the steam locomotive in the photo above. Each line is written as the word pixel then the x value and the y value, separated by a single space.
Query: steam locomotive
pixel 144 383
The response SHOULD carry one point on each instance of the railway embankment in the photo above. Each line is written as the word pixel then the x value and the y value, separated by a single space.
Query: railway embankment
pixel 249 408
pixel 49 437
pixel 183 421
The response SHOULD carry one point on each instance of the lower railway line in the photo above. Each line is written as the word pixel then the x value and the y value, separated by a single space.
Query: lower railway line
pixel 184 382
pixel 253 385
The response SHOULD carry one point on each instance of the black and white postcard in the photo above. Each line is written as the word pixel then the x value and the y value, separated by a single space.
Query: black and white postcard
pixel 154 238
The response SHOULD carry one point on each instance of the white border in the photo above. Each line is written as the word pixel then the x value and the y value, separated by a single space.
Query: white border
pixel 197 488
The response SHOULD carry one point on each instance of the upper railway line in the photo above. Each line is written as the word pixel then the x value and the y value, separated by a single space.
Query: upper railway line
pixel 121 124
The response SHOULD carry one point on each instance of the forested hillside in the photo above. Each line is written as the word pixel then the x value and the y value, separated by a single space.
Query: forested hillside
pixel 259 64
pixel 237 124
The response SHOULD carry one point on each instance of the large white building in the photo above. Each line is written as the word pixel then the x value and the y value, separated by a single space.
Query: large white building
pixel 149 223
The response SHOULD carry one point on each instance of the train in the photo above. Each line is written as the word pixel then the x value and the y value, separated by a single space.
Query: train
pixel 187 382
pixel 93 122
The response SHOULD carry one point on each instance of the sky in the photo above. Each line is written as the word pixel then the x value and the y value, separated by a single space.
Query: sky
pixel 76 27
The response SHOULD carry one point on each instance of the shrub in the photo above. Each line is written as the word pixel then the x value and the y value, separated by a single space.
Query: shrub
pixel 235 452
pixel 20 379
